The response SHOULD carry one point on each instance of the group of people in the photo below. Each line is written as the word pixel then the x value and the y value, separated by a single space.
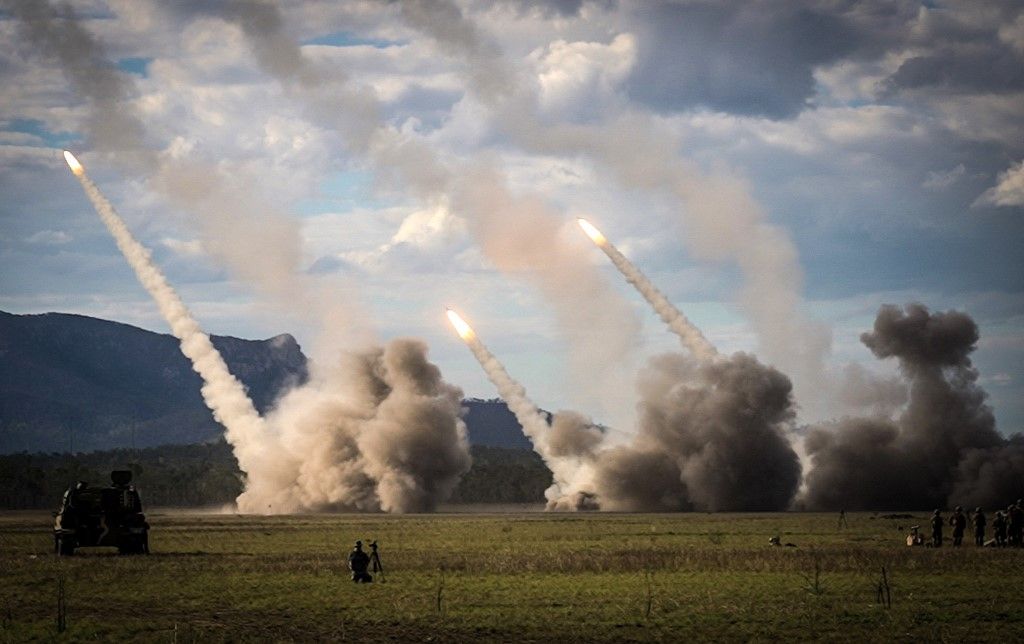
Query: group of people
pixel 1007 526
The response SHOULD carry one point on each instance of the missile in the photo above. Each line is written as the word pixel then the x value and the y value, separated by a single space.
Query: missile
pixel 592 232
pixel 73 163
pixel 464 330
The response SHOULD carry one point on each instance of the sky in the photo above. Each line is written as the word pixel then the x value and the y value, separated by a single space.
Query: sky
pixel 345 171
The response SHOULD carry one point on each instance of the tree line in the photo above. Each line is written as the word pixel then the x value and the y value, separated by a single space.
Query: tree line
pixel 208 475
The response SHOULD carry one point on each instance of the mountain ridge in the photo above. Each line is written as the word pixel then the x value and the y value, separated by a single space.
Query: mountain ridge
pixel 74 383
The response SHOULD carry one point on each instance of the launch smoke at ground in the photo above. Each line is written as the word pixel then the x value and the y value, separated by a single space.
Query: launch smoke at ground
pixel 558 455
pixel 942 450
pixel 379 431
pixel 688 333
pixel 710 437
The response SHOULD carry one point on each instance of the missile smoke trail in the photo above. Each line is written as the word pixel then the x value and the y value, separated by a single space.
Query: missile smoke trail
pixel 379 432
pixel 222 392
pixel 679 324
pixel 535 425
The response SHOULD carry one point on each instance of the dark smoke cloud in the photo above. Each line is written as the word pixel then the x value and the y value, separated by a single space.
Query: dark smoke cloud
pixel 991 477
pixel 634 480
pixel 942 450
pixel 711 436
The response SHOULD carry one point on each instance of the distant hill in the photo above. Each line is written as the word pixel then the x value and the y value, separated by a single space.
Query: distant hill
pixel 76 383
pixel 491 423
pixel 71 382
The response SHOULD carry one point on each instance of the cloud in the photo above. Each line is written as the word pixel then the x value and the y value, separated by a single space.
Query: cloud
pixel 577 79
pixel 740 58
pixel 50 238
pixel 942 180
pixel 185 248
pixel 1008 191
pixel 962 48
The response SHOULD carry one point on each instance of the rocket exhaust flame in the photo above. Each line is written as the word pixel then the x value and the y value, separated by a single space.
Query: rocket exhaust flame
pixel 464 330
pixel 73 163
pixel 222 392
pixel 677 322
pixel 592 232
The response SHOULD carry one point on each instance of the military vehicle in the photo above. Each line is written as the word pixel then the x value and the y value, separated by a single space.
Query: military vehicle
pixel 101 516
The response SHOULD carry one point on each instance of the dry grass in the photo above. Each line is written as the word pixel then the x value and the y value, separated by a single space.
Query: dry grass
pixel 523 577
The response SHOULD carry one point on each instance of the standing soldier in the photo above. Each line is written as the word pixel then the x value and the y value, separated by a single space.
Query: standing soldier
pixel 1015 523
pixel 937 529
pixel 357 563
pixel 999 528
pixel 959 523
pixel 978 520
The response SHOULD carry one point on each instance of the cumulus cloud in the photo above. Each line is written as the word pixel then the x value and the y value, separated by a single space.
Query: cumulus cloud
pixel 577 79
pixel 1009 188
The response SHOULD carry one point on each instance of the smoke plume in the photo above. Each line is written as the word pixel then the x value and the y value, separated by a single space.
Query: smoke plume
pixel 573 434
pixel 520 235
pixel 236 217
pixel 710 436
pixel 390 439
pixel 382 432
pixel 942 449
pixel 286 467
pixel 677 322
pixel 222 392
pixel 720 220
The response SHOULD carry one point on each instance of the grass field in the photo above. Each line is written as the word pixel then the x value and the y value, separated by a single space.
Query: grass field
pixel 511 577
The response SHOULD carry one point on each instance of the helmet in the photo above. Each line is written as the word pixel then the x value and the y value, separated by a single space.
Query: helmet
pixel 959 509
pixel 359 544
pixel 936 512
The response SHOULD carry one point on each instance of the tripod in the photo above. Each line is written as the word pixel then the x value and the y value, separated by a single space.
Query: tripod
pixel 375 561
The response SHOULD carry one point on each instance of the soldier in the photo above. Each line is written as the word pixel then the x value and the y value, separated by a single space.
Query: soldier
pixel 937 529
pixel 959 523
pixel 357 563
pixel 999 529
pixel 1015 523
pixel 978 521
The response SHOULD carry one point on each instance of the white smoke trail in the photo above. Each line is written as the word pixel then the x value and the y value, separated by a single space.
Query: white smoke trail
pixel 535 425
pixel 221 391
pixel 677 322
pixel 383 434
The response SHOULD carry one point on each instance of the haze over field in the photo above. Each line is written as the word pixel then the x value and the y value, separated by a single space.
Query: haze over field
pixel 770 177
